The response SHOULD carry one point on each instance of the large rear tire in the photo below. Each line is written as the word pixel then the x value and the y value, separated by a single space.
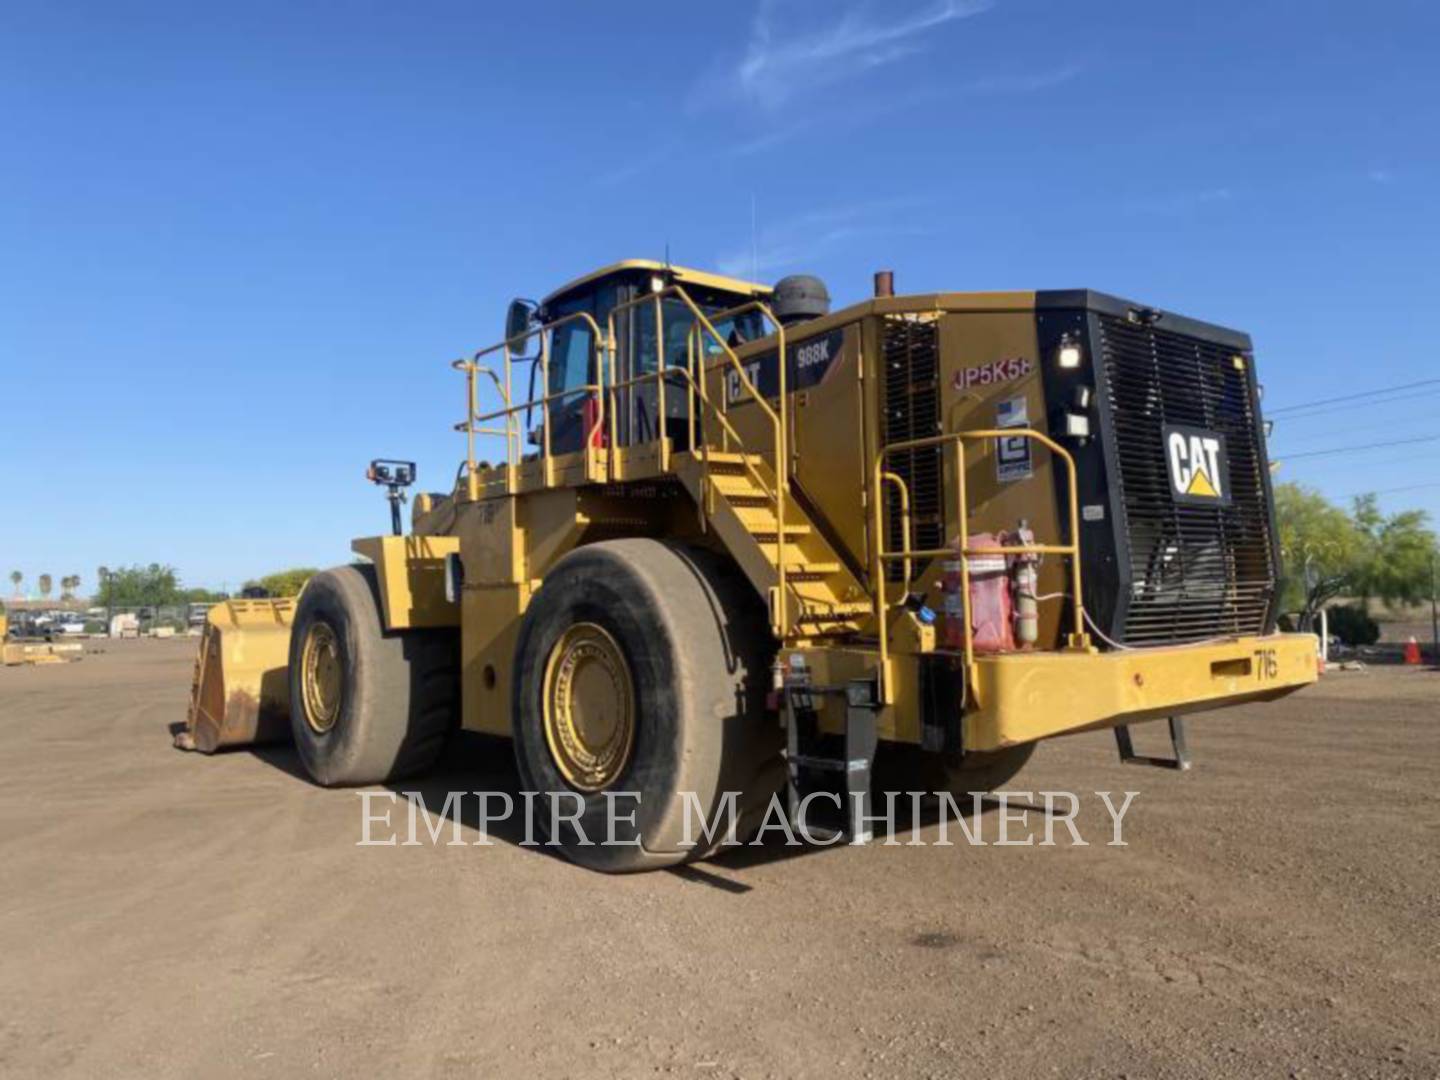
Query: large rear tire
pixel 366 706
pixel 641 670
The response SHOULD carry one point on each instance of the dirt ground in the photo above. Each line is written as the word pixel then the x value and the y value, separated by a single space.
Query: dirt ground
pixel 1275 913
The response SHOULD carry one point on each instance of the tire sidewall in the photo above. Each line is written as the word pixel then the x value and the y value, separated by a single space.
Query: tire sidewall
pixel 331 754
pixel 606 592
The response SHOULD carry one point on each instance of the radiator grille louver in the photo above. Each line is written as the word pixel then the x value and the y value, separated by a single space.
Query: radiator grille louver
pixel 1197 571
pixel 912 411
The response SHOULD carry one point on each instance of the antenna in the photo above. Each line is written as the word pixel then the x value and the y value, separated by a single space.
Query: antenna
pixel 754 242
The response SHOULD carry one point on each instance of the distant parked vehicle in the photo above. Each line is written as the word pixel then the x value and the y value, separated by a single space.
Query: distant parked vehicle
pixel 125 625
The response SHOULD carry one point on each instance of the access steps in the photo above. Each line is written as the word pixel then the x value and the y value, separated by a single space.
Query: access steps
pixel 734 490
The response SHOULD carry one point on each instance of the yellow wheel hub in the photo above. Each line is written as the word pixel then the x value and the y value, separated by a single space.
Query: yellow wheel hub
pixel 320 677
pixel 589 706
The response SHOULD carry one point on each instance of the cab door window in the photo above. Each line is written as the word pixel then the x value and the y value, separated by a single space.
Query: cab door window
pixel 574 368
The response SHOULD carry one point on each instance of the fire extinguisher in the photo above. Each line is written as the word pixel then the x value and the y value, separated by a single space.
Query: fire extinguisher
pixel 1025 586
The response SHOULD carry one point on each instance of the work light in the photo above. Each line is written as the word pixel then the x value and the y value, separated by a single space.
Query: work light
pixel 1070 354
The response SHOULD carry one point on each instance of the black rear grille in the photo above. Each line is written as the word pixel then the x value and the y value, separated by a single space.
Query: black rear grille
pixel 1196 571
pixel 912 411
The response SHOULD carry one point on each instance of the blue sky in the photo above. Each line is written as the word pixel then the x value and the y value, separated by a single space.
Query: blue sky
pixel 240 243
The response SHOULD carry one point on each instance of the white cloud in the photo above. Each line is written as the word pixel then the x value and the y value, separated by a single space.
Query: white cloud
pixel 807 238
pixel 776 66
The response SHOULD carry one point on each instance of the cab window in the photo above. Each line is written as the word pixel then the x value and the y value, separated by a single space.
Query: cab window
pixel 572 344
pixel 678 323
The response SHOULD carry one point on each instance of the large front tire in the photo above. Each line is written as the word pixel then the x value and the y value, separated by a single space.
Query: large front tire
pixel 366 706
pixel 640 677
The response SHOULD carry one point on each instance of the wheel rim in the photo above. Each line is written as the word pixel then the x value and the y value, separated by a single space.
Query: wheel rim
pixel 589 707
pixel 320 677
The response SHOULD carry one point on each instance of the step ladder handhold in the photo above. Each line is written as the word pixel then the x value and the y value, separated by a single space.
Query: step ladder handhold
pixel 859 741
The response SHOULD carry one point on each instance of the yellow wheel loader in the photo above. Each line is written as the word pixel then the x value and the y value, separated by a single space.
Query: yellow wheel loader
pixel 713 542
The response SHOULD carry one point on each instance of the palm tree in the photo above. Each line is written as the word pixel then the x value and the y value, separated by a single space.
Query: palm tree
pixel 15 578
pixel 45 586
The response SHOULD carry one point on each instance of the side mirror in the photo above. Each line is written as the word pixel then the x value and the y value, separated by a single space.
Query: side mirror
pixel 519 320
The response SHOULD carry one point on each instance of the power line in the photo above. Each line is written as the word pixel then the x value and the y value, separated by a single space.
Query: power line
pixel 1394 490
pixel 1393 425
pixel 1311 412
pixel 1363 446
pixel 1331 468
pixel 1352 397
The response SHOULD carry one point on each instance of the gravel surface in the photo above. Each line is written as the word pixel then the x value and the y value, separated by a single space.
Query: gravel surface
pixel 1276 912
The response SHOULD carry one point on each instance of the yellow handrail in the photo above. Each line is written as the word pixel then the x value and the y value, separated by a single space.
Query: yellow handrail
pixel 904 489
pixel 1078 636
pixel 513 435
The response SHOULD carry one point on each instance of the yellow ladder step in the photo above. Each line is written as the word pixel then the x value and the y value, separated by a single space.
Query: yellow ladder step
pixel 811 569
pixel 729 456
pixel 732 484
pixel 729 464
pixel 761 521
pixel 795 558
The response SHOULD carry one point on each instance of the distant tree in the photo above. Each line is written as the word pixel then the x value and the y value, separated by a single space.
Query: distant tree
pixel 1395 563
pixel 284 582
pixel 15 579
pixel 1322 548
pixel 139 586
pixel 46 584
pixel 203 596
pixel 67 587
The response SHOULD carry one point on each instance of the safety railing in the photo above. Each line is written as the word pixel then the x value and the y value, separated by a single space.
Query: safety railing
pixel 908 555
pixel 607 389
pixel 513 432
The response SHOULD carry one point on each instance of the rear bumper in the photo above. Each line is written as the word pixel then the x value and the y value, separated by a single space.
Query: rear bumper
pixel 1021 697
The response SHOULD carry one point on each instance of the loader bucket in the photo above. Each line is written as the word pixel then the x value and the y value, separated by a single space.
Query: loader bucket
pixel 241 693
